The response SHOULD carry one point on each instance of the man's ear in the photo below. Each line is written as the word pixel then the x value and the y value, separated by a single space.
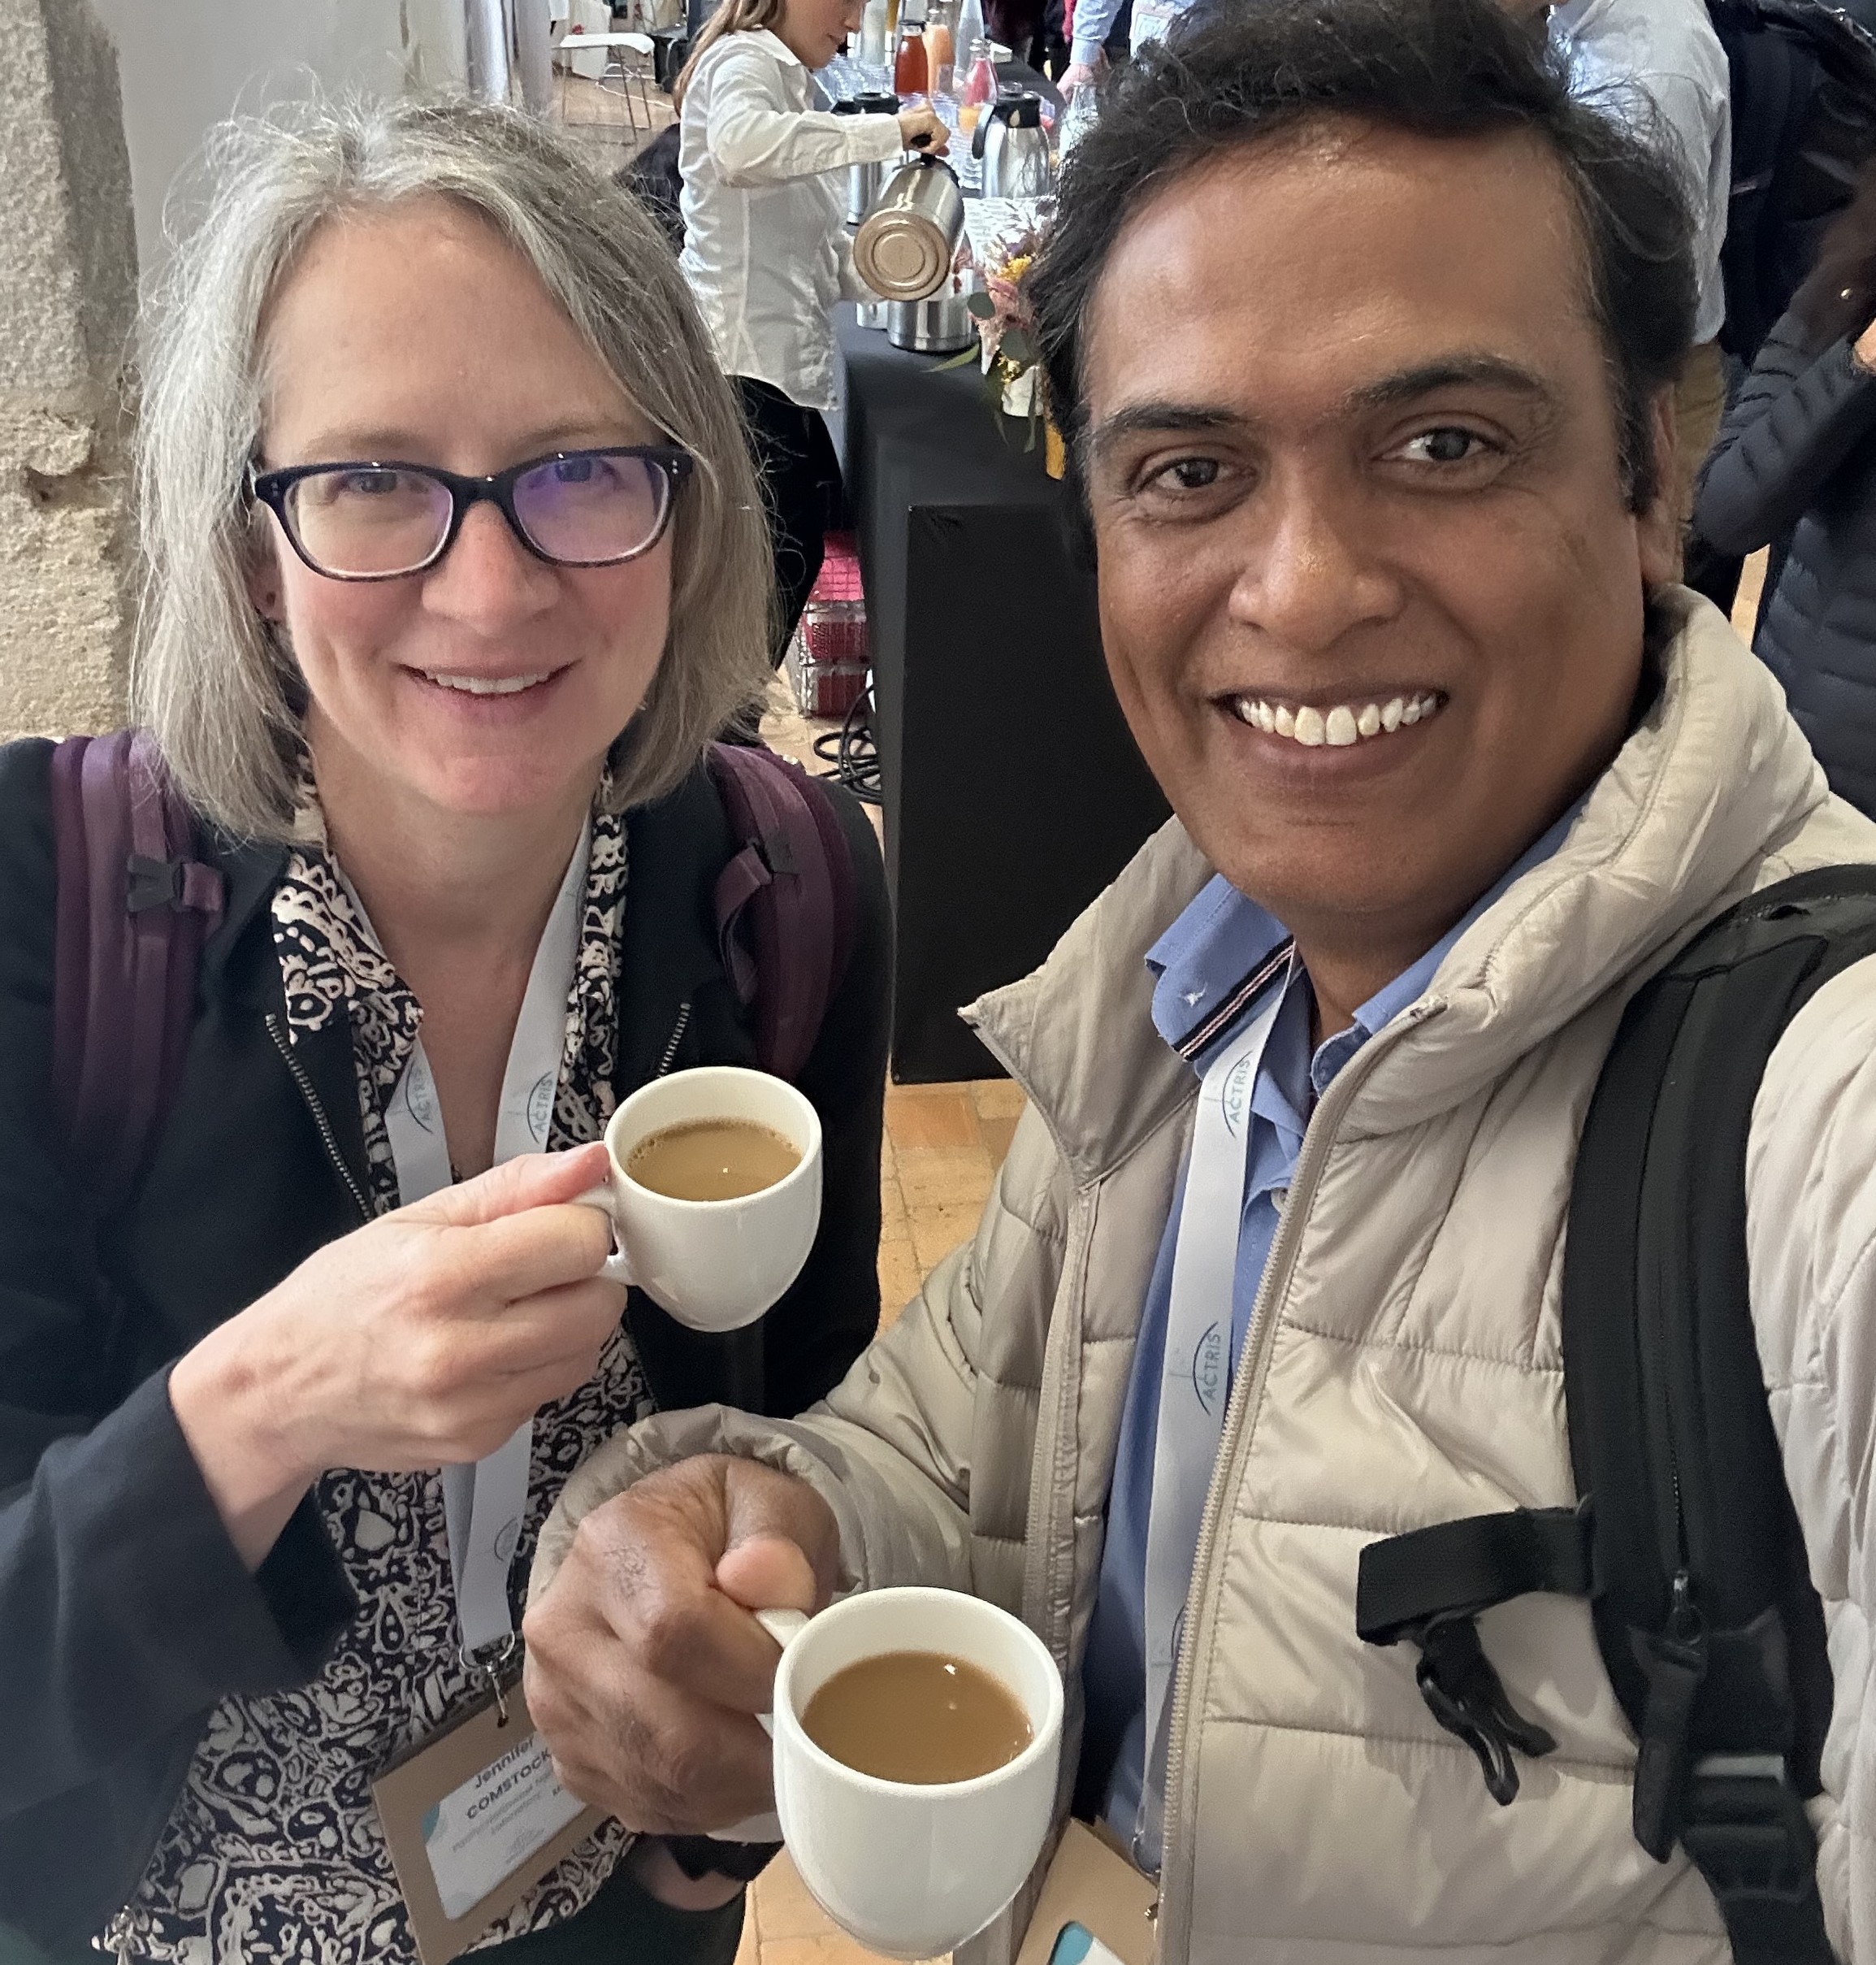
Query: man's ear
pixel 1657 523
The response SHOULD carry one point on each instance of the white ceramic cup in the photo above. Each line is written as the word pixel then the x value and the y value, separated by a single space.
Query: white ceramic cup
pixel 715 1265
pixel 912 1869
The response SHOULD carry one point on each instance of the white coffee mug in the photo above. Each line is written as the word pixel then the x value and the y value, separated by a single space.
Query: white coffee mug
pixel 715 1265
pixel 911 1869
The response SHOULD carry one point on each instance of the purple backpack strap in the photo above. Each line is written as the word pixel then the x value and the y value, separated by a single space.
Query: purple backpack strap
pixel 785 902
pixel 134 904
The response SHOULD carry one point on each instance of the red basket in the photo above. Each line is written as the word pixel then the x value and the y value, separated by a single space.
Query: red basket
pixel 830 664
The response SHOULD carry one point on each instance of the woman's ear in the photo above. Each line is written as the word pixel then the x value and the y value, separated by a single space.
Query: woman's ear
pixel 263 578
pixel 1658 524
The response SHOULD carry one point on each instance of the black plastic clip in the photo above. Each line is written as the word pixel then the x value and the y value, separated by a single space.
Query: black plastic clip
pixel 1465 1695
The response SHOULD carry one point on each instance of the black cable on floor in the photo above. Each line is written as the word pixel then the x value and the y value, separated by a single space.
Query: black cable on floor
pixel 852 752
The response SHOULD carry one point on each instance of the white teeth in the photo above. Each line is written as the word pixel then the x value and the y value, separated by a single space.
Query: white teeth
pixel 487 685
pixel 1340 727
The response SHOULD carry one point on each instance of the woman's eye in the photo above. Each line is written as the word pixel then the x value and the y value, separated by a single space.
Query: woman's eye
pixel 1447 445
pixel 582 470
pixel 370 483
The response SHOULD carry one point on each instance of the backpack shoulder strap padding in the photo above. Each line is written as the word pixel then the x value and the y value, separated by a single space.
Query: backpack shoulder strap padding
pixel 784 902
pixel 134 904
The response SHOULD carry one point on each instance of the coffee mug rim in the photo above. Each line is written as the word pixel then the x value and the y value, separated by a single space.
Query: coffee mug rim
pixel 1041 1741
pixel 800 1171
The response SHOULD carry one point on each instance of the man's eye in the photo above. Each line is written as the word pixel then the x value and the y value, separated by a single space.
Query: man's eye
pixel 1446 445
pixel 1187 474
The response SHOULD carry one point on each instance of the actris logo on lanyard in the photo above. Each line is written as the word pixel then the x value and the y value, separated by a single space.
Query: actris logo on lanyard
pixel 1195 1373
pixel 484 1502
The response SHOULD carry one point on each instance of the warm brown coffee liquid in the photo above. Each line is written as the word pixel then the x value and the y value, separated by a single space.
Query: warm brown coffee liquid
pixel 917 1715
pixel 711 1160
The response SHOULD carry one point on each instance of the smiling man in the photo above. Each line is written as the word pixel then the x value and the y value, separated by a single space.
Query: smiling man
pixel 1364 337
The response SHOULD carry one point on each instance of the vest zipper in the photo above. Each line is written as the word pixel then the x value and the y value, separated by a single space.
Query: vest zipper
pixel 1318 1136
pixel 298 1071
pixel 677 1038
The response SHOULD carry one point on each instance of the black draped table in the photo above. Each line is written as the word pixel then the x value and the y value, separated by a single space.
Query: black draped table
pixel 1013 793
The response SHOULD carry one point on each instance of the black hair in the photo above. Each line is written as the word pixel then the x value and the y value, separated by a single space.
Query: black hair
pixel 1235 72
pixel 1838 300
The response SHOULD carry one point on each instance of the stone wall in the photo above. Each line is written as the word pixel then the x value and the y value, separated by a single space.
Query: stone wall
pixel 67 296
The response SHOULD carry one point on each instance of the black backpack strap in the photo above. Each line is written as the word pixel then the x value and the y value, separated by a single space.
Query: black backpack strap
pixel 134 903
pixel 1711 1632
pixel 1690 1549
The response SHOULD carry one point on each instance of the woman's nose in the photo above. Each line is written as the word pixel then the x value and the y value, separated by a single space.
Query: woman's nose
pixel 488 579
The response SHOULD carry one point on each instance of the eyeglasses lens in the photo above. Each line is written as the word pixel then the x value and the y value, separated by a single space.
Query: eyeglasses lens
pixel 370 522
pixel 588 510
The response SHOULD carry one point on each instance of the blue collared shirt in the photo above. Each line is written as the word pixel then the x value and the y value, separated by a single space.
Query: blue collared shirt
pixel 1219 939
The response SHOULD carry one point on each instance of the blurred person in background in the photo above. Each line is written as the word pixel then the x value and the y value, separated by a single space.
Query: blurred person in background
pixel 1658 66
pixel 1797 457
pixel 765 246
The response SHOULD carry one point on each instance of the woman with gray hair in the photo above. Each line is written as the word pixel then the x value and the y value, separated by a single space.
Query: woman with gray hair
pixel 454 568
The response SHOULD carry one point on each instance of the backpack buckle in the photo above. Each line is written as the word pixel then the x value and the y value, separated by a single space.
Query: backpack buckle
pixel 1744 1827
pixel 177 884
pixel 1464 1692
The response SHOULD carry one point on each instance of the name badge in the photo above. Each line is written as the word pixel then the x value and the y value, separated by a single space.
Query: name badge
pixel 1095 1909
pixel 474 1818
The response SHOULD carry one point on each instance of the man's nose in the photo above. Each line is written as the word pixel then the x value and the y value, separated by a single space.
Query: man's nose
pixel 488 580
pixel 1313 574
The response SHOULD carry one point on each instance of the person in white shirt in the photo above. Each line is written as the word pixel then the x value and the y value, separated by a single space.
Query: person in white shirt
pixel 765 246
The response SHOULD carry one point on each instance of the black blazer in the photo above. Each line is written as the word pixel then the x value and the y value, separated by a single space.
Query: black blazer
pixel 125 1614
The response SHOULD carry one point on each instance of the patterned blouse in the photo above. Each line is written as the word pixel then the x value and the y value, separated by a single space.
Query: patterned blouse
pixel 274 1850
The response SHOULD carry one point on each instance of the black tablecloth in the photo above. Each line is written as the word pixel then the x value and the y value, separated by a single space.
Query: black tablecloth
pixel 1013 792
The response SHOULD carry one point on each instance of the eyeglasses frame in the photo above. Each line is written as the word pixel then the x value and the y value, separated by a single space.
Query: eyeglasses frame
pixel 271 489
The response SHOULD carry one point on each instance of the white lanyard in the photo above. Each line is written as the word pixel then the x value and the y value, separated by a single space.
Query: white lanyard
pixel 1195 1374
pixel 483 1501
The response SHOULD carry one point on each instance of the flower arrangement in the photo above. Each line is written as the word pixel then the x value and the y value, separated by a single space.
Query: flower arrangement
pixel 1007 337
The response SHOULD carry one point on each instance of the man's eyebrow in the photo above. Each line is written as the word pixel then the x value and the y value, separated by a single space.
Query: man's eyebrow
pixel 1158 419
pixel 1455 371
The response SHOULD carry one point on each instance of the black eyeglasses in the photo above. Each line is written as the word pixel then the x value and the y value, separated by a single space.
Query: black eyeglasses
pixel 378 521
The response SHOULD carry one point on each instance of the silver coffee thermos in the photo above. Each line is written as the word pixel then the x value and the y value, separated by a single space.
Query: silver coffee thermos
pixel 864 180
pixel 1012 146
pixel 905 245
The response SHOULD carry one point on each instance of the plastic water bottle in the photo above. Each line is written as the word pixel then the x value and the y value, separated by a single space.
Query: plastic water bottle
pixel 1079 111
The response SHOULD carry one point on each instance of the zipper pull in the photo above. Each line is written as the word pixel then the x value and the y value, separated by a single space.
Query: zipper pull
pixel 1676 1660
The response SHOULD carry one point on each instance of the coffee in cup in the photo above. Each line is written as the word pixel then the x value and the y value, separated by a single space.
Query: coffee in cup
pixel 715 1193
pixel 915 1865
pixel 917 1716
pixel 711 1160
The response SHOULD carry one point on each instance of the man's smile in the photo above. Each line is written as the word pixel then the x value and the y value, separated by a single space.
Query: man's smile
pixel 1337 724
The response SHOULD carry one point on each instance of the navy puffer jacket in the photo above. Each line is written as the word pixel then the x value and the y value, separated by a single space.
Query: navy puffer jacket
pixel 1798 449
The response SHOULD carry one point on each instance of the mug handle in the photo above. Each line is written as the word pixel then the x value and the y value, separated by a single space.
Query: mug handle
pixel 784 1626
pixel 617 1267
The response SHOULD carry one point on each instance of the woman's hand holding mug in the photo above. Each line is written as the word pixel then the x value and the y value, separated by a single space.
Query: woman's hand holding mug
pixel 423 1338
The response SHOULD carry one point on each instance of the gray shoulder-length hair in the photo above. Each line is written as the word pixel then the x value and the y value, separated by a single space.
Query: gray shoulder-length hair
pixel 217 686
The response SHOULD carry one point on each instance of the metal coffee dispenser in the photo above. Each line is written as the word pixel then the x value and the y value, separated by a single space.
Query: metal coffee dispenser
pixel 1011 144
pixel 905 246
